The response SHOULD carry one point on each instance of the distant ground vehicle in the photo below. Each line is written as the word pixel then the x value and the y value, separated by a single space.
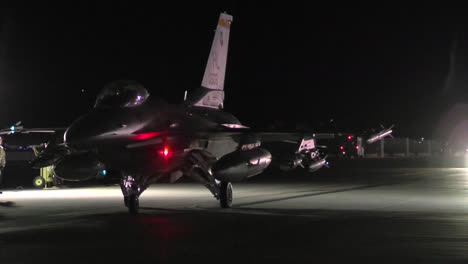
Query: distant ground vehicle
pixel 47 177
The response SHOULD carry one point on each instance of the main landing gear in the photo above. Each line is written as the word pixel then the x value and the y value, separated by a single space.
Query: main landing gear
pixel 132 188
pixel 225 194
pixel 221 190
pixel 198 168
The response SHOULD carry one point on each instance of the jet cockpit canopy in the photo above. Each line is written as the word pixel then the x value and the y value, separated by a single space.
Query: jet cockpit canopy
pixel 122 93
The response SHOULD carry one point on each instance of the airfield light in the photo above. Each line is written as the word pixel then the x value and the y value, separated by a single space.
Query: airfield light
pixel 350 137
pixel 341 147
pixel 357 147
pixel 104 172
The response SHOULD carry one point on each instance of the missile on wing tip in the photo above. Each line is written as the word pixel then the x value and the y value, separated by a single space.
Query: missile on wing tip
pixel 379 136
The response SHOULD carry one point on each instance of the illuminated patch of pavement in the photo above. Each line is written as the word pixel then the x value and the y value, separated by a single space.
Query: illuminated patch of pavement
pixel 418 214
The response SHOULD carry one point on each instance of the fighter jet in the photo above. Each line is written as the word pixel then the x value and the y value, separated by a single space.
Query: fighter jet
pixel 140 139
pixel 353 145
pixel 385 132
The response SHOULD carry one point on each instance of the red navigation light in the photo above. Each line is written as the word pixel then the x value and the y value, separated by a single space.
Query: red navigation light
pixel 350 137
pixel 341 147
pixel 145 135
pixel 165 152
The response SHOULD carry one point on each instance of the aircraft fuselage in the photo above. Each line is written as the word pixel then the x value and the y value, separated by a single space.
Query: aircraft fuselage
pixel 152 138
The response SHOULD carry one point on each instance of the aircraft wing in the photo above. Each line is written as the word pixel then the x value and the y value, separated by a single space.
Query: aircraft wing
pixel 32 130
pixel 17 128
pixel 237 132
pixel 294 136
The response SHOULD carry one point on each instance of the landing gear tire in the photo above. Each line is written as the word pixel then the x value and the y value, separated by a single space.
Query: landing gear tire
pixel 133 204
pixel 126 201
pixel 225 195
pixel 38 182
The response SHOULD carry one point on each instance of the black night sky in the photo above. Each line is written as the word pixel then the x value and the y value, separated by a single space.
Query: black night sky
pixel 288 62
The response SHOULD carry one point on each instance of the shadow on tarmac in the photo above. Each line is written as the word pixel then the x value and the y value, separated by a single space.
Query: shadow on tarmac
pixel 279 236
pixel 7 204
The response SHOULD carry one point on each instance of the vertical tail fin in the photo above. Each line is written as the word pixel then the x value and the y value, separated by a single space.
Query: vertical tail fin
pixel 216 66
pixel 211 93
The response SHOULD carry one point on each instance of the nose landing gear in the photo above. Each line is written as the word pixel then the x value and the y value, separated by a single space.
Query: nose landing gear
pixel 131 190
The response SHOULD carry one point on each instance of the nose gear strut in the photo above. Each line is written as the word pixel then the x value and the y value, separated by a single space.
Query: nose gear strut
pixel 131 189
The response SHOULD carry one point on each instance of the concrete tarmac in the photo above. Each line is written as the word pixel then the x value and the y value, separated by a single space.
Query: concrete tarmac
pixel 353 213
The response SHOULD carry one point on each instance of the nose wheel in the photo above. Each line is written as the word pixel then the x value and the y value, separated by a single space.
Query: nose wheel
pixel 132 203
pixel 131 189
pixel 225 194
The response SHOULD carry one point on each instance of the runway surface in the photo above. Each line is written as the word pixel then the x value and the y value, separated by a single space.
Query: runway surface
pixel 384 215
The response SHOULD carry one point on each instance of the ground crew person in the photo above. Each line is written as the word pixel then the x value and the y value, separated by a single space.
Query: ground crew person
pixel 2 161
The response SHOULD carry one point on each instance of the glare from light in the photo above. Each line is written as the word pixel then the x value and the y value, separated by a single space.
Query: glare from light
pixel 62 194
pixel 165 152
pixel 92 193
